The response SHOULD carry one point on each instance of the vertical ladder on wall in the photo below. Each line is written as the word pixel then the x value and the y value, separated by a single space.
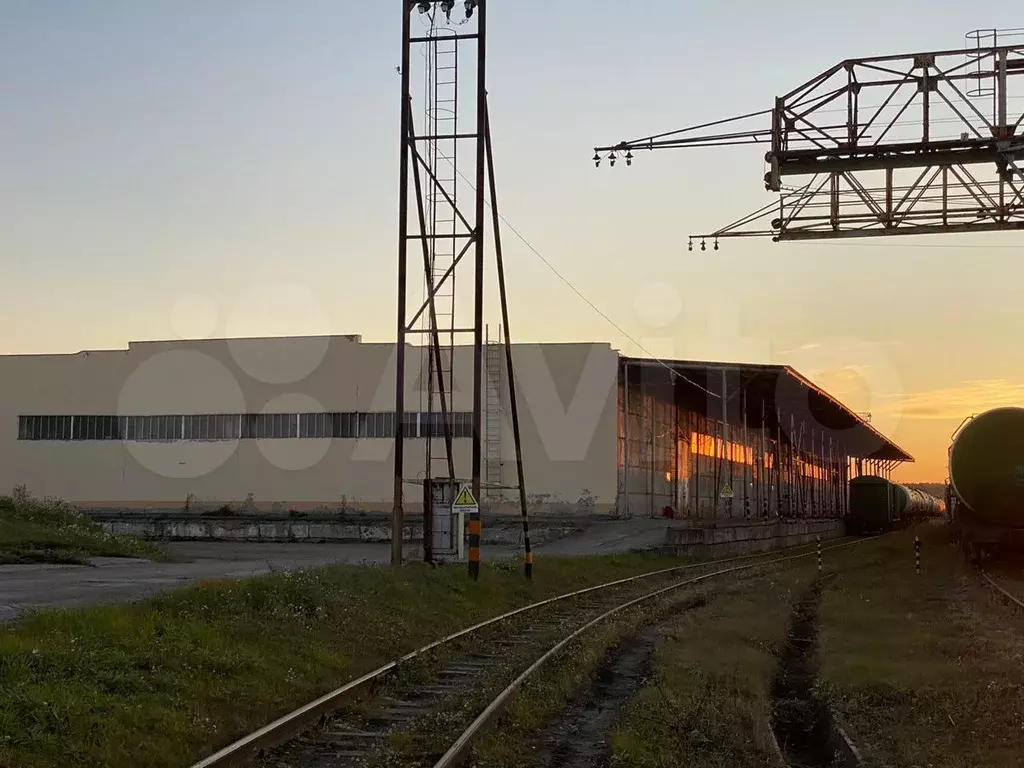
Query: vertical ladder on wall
pixel 493 413
pixel 440 201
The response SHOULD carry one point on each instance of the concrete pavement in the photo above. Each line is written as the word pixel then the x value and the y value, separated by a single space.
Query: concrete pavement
pixel 123 580
pixel 111 579
pixel 609 538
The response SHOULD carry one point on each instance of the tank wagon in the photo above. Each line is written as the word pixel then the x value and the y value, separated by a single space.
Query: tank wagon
pixel 878 505
pixel 985 510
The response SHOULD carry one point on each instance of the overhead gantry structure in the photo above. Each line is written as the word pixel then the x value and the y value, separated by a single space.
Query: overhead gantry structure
pixel 919 143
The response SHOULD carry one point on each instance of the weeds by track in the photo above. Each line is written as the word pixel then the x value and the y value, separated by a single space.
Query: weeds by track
pixel 1014 597
pixel 923 667
pixel 461 748
pixel 579 739
pixel 334 730
pixel 360 735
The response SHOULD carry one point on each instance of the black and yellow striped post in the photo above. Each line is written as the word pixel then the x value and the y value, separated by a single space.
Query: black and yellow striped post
pixel 917 555
pixel 466 503
pixel 818 541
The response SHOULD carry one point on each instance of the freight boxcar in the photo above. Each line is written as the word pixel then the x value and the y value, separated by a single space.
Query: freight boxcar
pixel 878 505
pixel 986 484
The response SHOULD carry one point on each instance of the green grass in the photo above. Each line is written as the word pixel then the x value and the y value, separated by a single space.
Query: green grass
pixel 168 680
pixel 52 531
pixel 707 703
pixel 722 695
pixel 655 732
pixel 924 670
pixel 544 696
pixel 510 742
pixel 541 697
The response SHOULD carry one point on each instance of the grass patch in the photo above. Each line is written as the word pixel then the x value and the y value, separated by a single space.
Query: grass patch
pixel 924 670
pixel 514 743
pixel 168 680
pixel 52 531
pixel 519 741
pixel 707 703
pixel 509 744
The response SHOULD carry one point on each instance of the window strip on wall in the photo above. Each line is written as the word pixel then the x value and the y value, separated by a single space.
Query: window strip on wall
pixel 207 427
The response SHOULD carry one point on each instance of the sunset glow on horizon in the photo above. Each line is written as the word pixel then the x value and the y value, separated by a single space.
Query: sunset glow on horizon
pixel 171 172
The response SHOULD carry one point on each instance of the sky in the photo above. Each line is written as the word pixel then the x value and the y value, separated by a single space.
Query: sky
pixel 231 168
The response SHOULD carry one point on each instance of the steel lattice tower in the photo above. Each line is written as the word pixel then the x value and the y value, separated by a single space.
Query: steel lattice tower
pixel 451 149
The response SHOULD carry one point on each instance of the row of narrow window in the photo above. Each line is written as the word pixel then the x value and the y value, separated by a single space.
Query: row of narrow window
pixel 235 426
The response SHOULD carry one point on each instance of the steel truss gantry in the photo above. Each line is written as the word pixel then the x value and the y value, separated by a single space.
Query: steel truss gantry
pixel 906 144
pixel 446 230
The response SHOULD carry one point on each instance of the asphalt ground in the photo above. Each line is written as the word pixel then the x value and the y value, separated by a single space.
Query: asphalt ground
pixel 42 586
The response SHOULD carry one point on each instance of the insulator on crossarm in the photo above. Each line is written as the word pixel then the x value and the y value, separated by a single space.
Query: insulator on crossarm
pixel 716 243
pixel 611 159
pixel 629 157
pixel 597 160
pixel 689 245
pixel 703 244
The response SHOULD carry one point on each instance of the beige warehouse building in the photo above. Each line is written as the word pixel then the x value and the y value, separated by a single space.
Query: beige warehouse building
pixel 308 422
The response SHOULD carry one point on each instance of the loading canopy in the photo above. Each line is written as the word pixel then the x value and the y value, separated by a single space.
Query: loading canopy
pixel 771 395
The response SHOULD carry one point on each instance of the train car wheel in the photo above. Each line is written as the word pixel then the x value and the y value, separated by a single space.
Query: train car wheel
pixel 974 553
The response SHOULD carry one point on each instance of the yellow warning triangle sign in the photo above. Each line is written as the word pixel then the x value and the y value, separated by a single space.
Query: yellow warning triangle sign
pixel 465 498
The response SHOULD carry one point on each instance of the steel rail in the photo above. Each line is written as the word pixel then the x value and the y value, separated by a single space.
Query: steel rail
pixel 1002 590
pixel 460 749
pixel 245 749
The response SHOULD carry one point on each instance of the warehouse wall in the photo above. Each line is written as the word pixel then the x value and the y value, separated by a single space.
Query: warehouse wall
pixel 567 406
pixel 669 455
pixel 650 440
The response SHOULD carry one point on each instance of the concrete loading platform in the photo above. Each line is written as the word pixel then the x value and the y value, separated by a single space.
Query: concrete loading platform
pixel 372 528
pixel 706 539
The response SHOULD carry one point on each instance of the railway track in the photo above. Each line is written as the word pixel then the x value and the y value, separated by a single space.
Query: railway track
pixel 320 734
pixel 1014 595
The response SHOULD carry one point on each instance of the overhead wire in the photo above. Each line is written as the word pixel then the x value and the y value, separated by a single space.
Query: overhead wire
pixel 655 137
pixel 586 300
pixel 729 139
pixel 619 328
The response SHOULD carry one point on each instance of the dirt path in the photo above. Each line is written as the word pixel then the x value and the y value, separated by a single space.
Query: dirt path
pixel 802 720
pixel 579 739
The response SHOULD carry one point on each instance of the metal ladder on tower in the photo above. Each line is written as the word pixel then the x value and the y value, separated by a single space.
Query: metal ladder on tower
pixel 442 120
pixel 492 415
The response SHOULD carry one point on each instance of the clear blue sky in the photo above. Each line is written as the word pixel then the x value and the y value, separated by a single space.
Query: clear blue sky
pixel 246 148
